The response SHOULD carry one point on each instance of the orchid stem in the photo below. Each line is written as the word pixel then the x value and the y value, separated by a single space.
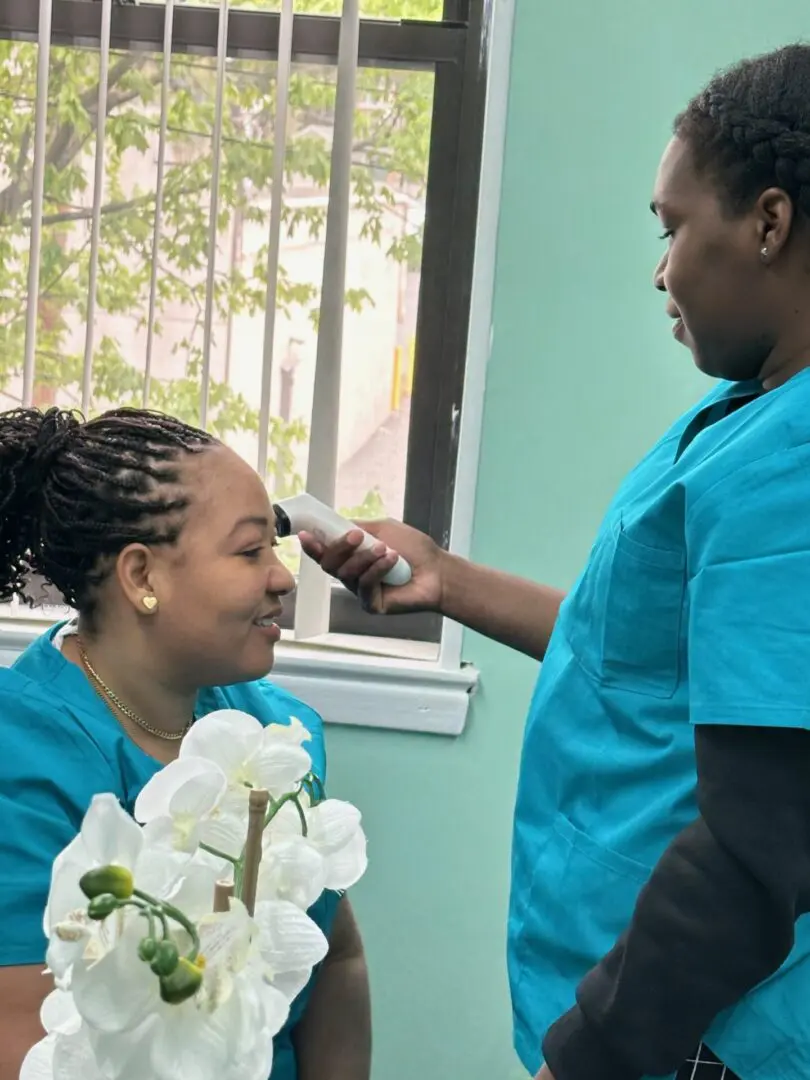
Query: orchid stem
pixel 164 910
pixel 219 854
pixel 291 796
pixel 257 810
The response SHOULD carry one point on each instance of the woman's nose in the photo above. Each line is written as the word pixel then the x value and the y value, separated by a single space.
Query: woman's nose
pixel 658 274
pixel 280 581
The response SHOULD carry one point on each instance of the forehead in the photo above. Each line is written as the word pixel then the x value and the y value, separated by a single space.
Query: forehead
pixel 677 184
pixel 224 489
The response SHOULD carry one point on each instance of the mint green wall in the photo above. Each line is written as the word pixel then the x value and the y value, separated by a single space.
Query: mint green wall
pixel 583 376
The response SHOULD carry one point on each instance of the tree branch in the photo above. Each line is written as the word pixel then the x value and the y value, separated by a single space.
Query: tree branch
pixel 86 213
pixel 66 143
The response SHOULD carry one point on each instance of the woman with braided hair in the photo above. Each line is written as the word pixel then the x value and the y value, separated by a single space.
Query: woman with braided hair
pixel 162 540
pixel 661 866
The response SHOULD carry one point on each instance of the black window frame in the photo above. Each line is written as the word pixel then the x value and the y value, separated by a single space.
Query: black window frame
pixel 456 49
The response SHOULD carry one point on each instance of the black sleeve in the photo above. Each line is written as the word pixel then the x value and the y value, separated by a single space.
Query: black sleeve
pixel 715 919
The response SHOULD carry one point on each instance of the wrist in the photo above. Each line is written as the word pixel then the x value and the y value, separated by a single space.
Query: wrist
pixel 453 584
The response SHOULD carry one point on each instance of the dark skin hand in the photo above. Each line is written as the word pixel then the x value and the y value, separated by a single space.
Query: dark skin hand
pixel 516 612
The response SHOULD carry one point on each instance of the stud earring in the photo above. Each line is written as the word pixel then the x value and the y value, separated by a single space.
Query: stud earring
pixel 764 254
pixel 150 602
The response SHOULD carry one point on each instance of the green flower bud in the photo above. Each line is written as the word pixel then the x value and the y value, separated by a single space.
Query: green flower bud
pixel 165 959
pixel 102 906
pixel 147 949
pixel 115 880
pixel 182 984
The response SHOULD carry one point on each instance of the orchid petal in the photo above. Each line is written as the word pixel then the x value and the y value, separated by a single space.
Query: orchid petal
pixel 347 865
pixel 190 785
pixel 332 824
pixel 279 767
pixel 289 940
pixel 227 737
pixel 292 870
pixel 38 1062
pixel 59 1014
pixel 109 833
pixel 117 992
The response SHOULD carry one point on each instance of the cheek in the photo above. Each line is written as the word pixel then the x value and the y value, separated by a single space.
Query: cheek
pixel 707 282
pixel 223 591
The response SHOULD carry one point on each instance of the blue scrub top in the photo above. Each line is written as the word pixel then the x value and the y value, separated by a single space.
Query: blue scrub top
pixel 694 608
pixel 61 746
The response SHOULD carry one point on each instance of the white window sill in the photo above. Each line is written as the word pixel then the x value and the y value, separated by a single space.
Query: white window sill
pixel 383 684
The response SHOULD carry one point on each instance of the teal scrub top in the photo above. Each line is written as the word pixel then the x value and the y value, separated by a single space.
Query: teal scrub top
pixel 694 608
pixel 61 746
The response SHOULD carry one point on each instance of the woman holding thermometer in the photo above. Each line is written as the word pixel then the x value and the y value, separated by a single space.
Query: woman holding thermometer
pixel 661 868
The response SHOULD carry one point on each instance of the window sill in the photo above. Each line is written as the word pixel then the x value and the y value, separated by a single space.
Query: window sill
pixel 347 685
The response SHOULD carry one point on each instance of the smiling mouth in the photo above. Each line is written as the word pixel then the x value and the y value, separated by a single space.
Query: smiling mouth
pixel 267 620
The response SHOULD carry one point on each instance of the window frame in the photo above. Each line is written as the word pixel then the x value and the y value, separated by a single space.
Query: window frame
pixel 455 49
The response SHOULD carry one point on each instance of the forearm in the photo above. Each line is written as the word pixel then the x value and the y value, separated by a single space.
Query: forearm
pixel 333 1039
pixel 508 609
pixel 716 918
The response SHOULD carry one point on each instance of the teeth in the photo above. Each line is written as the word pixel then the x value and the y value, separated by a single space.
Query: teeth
pixel 265 622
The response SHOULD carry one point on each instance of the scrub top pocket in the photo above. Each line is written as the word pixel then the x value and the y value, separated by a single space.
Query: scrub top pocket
pixel 624 618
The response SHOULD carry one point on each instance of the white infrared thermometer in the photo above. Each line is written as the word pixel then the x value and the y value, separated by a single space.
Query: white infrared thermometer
pixel 305 513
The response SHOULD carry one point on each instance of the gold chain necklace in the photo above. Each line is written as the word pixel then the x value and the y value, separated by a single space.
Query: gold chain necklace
pixel 104 691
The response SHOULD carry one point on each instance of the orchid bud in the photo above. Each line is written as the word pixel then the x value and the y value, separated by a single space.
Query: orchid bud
pixel 165 959
pixel 115 880
pixel 147 948
pixel 102 906
pixel 182 984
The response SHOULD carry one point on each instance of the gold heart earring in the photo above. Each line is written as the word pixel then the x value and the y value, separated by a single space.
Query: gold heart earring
pixel 150 602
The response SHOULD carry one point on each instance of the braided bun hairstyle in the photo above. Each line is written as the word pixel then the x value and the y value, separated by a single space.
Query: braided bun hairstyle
pixel 73 494
pixel 749 129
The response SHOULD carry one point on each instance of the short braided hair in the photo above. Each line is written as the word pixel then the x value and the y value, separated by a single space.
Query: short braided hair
pixel 74 493
pixel 749 129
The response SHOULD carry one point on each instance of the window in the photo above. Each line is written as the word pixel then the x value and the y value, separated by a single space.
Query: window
pixel 141 151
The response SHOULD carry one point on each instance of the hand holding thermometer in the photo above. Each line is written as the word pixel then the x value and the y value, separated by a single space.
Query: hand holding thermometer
pixel 305 513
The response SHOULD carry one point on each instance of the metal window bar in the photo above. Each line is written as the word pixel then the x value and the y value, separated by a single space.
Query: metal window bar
pixel 216 152
pixel 98 193
pixel 253 34
pixel 165 88
pixel 454 50
pixel 314 589
pixel 37 199
pixel 283 74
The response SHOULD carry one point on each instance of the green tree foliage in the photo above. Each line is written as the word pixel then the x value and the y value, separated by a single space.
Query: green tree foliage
pixel 391 146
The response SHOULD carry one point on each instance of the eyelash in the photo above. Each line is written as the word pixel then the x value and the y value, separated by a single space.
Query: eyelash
pixel 666 234
pixel 254 553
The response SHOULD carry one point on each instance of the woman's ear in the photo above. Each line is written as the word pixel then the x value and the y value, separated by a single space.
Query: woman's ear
pixel 135 570
pixel 776 216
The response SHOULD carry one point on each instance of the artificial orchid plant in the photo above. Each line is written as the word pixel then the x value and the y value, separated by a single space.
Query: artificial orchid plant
pixel 179 940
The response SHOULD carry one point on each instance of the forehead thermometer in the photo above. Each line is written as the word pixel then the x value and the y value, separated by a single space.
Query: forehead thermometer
pixel 305 513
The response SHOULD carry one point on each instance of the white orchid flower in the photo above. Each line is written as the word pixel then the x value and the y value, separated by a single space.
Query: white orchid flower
pixel 294 732
pixel 108 837
pixel 204 793
pixel 334 836
pixel 186 793
pixel 250 755
pixel 290 945
pixel 292 870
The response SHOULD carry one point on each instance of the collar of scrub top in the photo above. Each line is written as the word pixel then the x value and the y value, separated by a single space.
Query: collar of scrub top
pixel 731 398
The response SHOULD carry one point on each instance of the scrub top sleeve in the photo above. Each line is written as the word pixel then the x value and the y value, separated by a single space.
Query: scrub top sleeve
pixel 49 771
pixel 748 544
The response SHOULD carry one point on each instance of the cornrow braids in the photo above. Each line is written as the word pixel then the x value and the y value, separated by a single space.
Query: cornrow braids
pixel 749 129
pixel 74 493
